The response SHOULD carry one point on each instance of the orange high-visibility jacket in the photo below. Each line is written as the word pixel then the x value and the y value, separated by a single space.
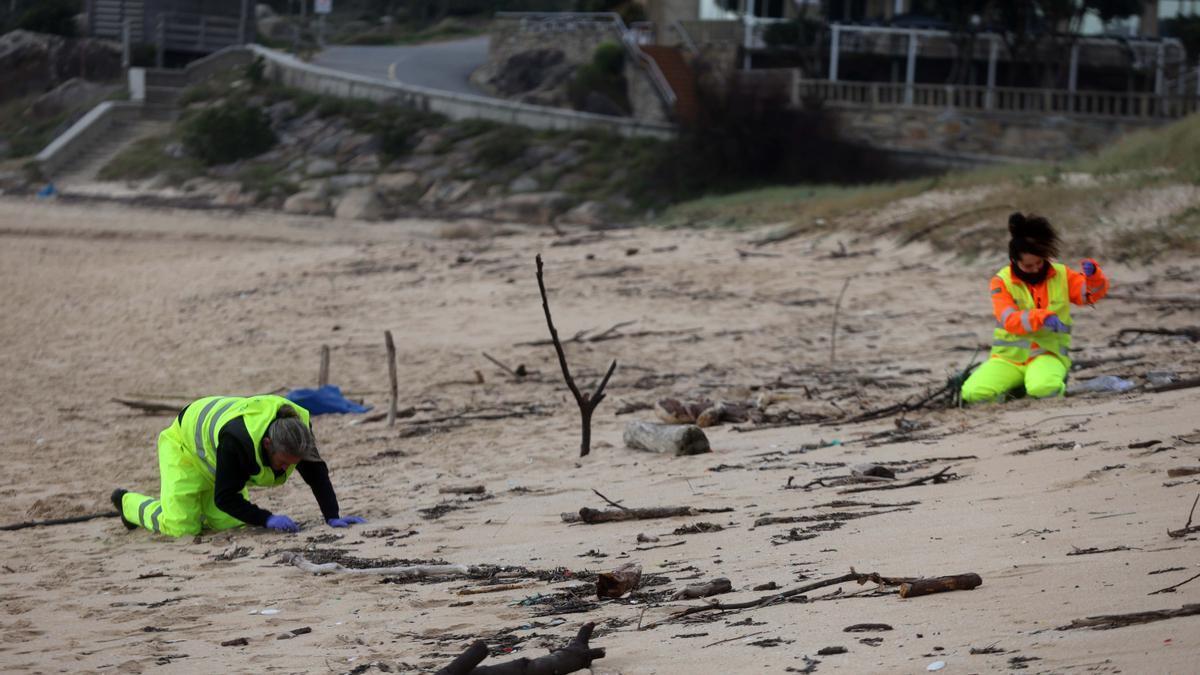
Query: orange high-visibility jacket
pixel 1083 290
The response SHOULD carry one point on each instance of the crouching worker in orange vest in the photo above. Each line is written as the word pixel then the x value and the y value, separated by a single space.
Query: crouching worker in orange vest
pixel 1032 299
pixel 214 450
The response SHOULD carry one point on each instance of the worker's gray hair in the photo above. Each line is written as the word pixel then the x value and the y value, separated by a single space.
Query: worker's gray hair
pixel 291 436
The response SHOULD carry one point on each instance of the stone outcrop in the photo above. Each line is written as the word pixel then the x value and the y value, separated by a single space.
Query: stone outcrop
pixel 35 62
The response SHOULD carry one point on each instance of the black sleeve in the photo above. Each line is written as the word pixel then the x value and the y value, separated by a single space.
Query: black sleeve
pixel 235 467
pixel 316 474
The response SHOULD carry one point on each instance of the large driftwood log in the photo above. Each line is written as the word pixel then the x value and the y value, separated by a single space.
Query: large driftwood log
pixel 715 587
pixel 957 582
pixel 577 655
pixel 406 571
pixel 1106 621
pixel 672 439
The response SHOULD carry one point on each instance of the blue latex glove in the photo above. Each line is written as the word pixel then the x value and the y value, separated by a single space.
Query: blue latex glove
pixel 282 524
pixel 1055 324
pixel 346 521
pixel 1089 267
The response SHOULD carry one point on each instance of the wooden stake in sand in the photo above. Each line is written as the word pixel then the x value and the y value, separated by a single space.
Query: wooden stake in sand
pixel 837 307
pixel 587 403
pixel 394 389
pixel 323 373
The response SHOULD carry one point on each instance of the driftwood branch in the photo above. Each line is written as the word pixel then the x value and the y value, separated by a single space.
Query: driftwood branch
pixel 577 655
pixel 58 521
pixel 518 373
pixel 1175 386
pixel 785 595
pixel 592 516
pixel 413 571
pixel 1187 528
pixel 939 477
pixel 1171 589
pixel 1106 621
pixel 462 490
pixel 393 389
pixel 587 403
pixel 149 407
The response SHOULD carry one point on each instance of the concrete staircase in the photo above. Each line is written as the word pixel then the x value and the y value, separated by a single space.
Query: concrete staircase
pixel 682 79
pixel 86 167
pixel 158 113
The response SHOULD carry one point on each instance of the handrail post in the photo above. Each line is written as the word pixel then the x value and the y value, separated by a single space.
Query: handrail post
pixel 911 72
pixel 835 36
pixel 993 53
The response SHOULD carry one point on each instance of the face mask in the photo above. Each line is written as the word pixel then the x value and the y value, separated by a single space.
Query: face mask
pixel 1032 279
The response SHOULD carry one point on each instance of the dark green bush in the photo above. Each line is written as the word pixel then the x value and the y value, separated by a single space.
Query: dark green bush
pixel 501 148
pixel 399 128
pixel 52 16
pixel 256 70
pixel 228 133
pixel 609 58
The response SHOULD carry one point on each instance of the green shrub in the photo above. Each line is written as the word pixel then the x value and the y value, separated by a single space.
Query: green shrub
pixel 609 58
pixel 398 128
pixel 228 133
pixel 256 70
pixel 197 93
pixel 501 148
pixel 52 16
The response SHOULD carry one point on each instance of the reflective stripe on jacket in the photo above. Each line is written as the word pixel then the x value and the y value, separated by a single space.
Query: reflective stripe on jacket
pixel 202 422
pixel 1026 317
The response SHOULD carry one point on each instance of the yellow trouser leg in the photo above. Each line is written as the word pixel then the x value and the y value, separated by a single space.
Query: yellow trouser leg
pixel 1045 376
pixel 216 519
pixel 991 380
pixel 185 489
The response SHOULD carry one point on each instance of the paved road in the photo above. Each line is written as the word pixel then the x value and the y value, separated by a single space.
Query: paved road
pixel 440 65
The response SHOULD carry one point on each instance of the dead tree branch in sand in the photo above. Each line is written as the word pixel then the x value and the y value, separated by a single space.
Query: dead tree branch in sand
pixel 323 372
pixel 1106 621
pixel 1192 333
pixel 1175 386
pixel 587 403
pixel 785 595
pixel 837 308
pixel 1171 589
pixel 409 571
pixel 939 477
pixel 577 655
pixel 1187 528
pixel 58 521
pixel 393 387
pixel 592 516
pixel 518 373
pixel 149 407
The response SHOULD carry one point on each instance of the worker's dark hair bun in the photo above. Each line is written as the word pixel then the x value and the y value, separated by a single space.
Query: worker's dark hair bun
pixel 1031 234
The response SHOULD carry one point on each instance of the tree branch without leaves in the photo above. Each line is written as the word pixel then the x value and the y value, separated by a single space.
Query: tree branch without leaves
pixel 587 403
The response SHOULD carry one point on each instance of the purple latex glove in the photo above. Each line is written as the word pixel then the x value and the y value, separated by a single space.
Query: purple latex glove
pixel 282 524
pixel 1089 267
pixel 1055 324
pixel 346 521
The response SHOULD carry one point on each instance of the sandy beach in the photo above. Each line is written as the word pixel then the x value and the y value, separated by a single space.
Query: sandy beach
pixel 1062 506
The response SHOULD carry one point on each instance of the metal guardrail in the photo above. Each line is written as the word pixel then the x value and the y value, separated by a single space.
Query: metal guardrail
pixel 996 99
pixel 629 38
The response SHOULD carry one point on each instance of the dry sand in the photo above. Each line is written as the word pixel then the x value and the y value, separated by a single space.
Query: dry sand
pixel 101 300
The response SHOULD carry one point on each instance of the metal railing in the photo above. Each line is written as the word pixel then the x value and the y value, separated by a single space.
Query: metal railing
pixel 630 39
pixel 1000 99
pixel 685 38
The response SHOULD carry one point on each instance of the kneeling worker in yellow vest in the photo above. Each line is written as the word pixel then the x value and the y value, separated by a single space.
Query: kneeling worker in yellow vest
pixel 1032 298
pixel 214 450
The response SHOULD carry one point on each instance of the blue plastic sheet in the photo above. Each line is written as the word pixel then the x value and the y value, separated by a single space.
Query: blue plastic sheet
pixel 324 400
